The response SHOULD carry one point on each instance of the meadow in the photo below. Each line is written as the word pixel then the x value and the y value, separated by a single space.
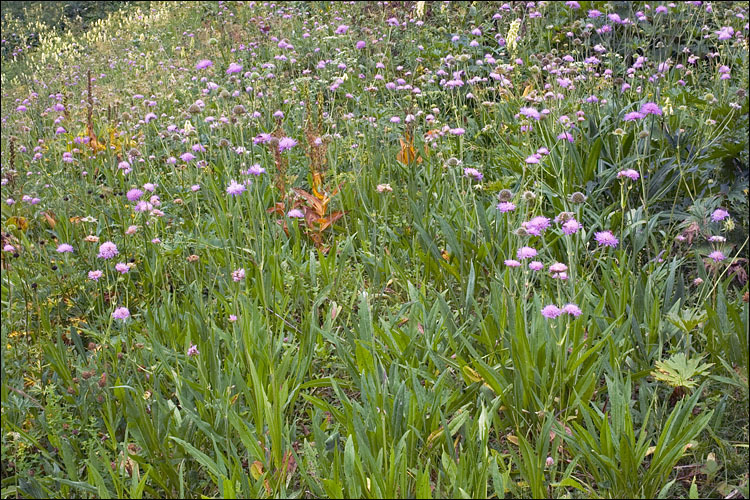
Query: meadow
pixel 379 249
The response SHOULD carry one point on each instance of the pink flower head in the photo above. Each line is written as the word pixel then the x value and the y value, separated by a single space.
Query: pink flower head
pixel 535 265
pixel 234 68
pixel 187 157
pixel 650 108
pixel 629 173
pixel 65 248
pixel 361 44
pixel 512 263
pixel 571 227
pixel 342 29
pixel 537 225
pixel 551 311
pixel 203 64
pixel 95 275
pixel 717 256
pixel 606 238
pixel 121 313
pixel 632 116
pixel 107 250
pixel 286 143
pixel 122 268
pixel 234 188
pixel 238 274
pixel 506 206
pixel 134 194
pixel 193 350
pixel 573 310
pixel 525 253
pixel 295 213
pixel 719 215
pixel 558 267
pixel 473 172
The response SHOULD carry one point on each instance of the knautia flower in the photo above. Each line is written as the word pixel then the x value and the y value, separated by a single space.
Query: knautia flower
pixel 717 256
pixel 95 275
pixel 238 274
pixel 234 188
pixel 134 194
pixel 535 265
pixel 512 263
pixel 122 267
pixel 558 267
pixel 606 238
pixel 571 227
pixel 506 206
pixel 536 226
pixel 525 253
pixel 473 172
pixel 629 173
pixel 187 157
pixel 551 311
pixel 572 309
pixel 719 215
pixel 286 143
pixel 234 68
pixel 121 313
pixel 295 213
pixel 203 64
pixel 107 250
pixel 64 248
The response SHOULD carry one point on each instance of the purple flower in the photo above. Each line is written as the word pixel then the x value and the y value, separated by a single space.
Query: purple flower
pixel 526 253
pixel 530 113
pixel 187 157
pixel 122 267
pixel 606 238
pixel 717 256
pixel 295 213
pixel 95 275
pixel 473 172
pixel 506 206
pixel 512 263
pixel 719 215
pixel 535 265
pixel 121 313
pixel 107 250
pixel 361 44
pixel 558 267
pixel 234 68
pixel 65 248
pixel 134 194
pixel 572 309
pixel 203 64
pixel 234 188
pixel 571 227
pixel 255 169
pixel 342 29
pixel 633 116
pixel 286 143
pixel 551 311
pixel 535 158
pixel 725 33
pixel 193 350
pixel 238 274
pixel 629 173
pixel 650 108
pixel 537 225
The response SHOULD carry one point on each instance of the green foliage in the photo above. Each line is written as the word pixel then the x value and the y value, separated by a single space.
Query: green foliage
pixel 385 344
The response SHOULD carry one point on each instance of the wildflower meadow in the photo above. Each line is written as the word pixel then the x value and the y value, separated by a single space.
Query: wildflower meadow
pixel 375 249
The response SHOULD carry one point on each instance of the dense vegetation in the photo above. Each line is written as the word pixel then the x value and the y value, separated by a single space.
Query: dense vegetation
pixel 402 249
